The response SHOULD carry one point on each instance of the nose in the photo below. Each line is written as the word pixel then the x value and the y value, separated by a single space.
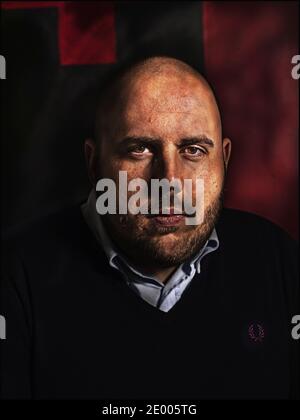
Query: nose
pixel 165 165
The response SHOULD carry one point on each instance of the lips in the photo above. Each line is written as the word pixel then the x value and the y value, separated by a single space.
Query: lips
pixel 172 218
pixel 168 220
pixel 167 212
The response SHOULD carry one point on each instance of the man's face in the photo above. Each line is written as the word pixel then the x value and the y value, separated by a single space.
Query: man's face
pixel 167 127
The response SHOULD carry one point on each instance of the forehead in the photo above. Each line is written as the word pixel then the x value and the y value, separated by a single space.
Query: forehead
pixel 168 104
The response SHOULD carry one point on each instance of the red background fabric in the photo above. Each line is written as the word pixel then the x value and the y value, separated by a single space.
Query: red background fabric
pixel 247 49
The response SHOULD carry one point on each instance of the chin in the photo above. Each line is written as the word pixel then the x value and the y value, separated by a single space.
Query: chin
pixel 172 249
pixel 166 242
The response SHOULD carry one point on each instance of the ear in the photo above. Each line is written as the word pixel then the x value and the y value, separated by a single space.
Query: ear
pixel 90 152
pixel 226 150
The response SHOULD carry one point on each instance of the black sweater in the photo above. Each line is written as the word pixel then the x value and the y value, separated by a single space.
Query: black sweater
pixel 74 329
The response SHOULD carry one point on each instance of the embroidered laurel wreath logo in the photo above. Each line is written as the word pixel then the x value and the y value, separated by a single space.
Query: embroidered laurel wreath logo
pixel 256 332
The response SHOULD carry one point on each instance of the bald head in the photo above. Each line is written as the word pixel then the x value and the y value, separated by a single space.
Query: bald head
pixel 161 83
pixel 159 120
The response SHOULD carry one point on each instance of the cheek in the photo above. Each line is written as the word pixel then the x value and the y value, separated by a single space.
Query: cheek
pixel 213 186
pixel 133 171
pixel 136 169
pixel 212 179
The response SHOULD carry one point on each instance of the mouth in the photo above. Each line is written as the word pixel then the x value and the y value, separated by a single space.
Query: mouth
pixel 171 219
pixel 168 219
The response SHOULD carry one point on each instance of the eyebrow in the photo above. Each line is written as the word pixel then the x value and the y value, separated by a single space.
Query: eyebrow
pixel 188 141
pixel 139 139
pixel 196 140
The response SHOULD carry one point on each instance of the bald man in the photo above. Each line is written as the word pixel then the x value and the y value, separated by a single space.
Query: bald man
pixel 131 304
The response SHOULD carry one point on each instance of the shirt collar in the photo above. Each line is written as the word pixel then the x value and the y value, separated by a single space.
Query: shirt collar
pixel 94 222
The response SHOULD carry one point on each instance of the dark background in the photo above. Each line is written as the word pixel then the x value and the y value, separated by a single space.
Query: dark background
pixel 57 53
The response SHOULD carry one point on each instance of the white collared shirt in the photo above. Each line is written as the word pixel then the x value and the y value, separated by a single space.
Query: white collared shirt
pixel 163 296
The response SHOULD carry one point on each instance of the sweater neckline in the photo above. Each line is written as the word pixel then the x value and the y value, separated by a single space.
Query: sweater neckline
pixel 103 266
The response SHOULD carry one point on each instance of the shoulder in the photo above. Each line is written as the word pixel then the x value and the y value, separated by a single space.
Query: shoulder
pixel 247 227
pixel 263 252
pixel 55 252
pixel 47 235
pixel 251 239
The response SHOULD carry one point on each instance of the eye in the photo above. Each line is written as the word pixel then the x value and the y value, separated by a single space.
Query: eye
pixel 139 151
pixel 193 151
